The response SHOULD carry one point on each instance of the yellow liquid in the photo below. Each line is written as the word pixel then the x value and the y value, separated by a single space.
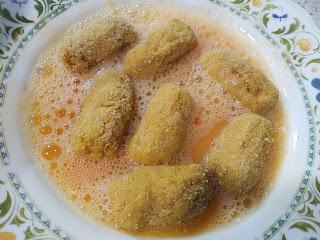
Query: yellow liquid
pixel 55 96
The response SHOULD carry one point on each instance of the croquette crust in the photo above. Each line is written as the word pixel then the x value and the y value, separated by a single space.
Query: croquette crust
pixel 158 196
pixel 105 114
pixel 238 157
pixel 163 126
pixel 240 79
pixel 96 42
pixel 160 49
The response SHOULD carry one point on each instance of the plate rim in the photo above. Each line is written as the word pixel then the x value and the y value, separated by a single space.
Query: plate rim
pixel 234 7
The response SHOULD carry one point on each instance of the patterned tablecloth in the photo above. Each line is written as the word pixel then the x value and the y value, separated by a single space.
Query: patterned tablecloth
pixel 312 7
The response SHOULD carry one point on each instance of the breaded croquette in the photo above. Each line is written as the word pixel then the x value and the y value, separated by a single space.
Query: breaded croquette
pixel 96 42
pixel 163 126
pixel 240 79
pixel 105 114
pixel 160 49
pixel 238 157
pixel 158 196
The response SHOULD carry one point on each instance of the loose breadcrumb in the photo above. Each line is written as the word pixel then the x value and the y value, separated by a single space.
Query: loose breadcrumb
pixel 106 112
pixel 155 197
pixel 163 126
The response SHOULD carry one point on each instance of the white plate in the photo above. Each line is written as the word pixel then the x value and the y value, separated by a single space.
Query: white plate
pixel 280 31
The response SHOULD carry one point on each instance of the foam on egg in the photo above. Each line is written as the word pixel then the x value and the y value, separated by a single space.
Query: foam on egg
pixel 54 100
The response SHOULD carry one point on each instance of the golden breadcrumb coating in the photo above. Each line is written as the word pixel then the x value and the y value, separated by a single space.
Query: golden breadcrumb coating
pixel 163 126
pixel 157 196
pixel 161 48
pixel 240 79
pixel 238 157
pixel 106 112
pixel 96 42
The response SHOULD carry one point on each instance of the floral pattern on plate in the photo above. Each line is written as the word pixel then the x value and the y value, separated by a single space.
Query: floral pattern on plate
pixel 279 21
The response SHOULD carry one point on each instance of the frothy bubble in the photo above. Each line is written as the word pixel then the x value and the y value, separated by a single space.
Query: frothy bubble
pixel 83 181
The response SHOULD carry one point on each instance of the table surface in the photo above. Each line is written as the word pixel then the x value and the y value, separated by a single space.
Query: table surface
pixel 312 7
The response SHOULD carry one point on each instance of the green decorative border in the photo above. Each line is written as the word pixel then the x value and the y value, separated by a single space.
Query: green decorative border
pixel 39 227
pixel 284 36
pixel 300 215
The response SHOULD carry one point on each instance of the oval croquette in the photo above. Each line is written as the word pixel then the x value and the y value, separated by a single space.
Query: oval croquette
pixel 240 79
pixel 96 42
pixel 238 157
pixel 160 49
pixel 157 196
pixel 106 112
pixel 163 126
